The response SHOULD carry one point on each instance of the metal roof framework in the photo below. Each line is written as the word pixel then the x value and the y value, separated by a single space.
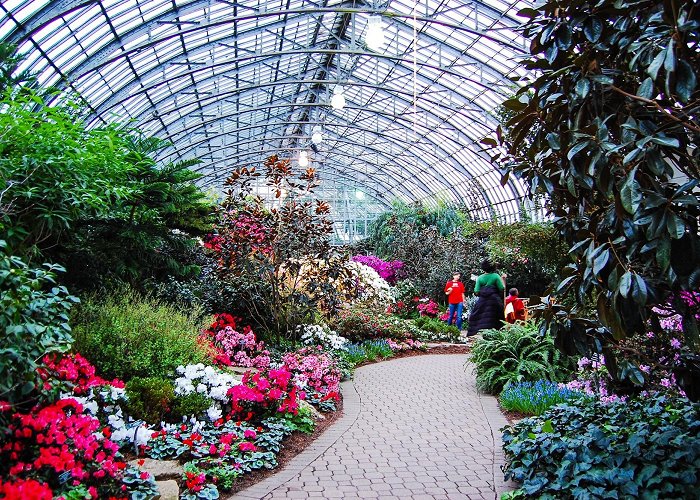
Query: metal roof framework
pixel 233 81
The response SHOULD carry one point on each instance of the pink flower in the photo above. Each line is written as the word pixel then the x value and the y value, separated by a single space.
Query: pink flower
pixel 250 434
pixel 246 446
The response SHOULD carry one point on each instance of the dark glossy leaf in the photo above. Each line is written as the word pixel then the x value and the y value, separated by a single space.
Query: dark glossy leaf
pixel 666 141
pixel 577 148
pixel 625 284
pixel 653 69
pixel 601 261
pixel 583 87
pixel 640 290
pixel 631 194
pixel 686 81
pixel 593 28
pixel 675 226
pixel 646 89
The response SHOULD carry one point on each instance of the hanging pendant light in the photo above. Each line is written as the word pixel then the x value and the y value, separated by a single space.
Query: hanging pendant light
pixel 317 134
pixel 374 38
pixel 338 99
pixel 303 159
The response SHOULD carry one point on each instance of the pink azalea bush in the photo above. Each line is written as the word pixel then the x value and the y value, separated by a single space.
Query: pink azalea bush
pixel 267 392
pixel 405 345
pixel 313 368
pixel 235 348
pixel 391 271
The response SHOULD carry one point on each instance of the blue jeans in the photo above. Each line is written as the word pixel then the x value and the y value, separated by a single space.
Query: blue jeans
pixel 451 312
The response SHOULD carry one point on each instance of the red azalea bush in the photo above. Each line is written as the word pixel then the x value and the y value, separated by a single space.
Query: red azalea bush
pixel 260 394
pixel 64 449
pixel 234 348
pixel 20 489
pixel 74 369
pixel 427 307
pixel 314 368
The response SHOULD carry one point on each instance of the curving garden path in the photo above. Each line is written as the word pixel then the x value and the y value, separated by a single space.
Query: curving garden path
pixel 413 427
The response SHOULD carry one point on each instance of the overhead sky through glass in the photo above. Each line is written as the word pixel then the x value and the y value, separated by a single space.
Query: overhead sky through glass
pixel 230 82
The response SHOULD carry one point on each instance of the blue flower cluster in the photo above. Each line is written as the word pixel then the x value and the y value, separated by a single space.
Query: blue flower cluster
pixel 534 398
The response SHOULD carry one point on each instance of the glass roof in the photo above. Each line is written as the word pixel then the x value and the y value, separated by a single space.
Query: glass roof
pixel 232 81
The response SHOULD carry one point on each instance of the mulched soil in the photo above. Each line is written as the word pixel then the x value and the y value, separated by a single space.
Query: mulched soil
pixel 297 442
pixel 513 417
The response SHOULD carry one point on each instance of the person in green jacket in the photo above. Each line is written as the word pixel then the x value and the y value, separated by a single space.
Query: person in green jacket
pixel 488 310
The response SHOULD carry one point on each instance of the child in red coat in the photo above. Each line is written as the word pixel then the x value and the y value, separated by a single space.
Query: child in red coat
pixel 515 309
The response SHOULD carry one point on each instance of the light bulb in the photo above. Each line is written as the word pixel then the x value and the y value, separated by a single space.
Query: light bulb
pixel 303 159
pixel 359 195
pixel 338 99
pixel 374 38
pixel 317 134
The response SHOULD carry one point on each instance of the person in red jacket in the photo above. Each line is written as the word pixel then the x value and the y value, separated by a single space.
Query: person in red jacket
pixel 515 309
pixel 454 290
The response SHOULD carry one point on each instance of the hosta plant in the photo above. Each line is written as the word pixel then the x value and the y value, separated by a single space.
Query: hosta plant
pixel 516 353
pixel 643 448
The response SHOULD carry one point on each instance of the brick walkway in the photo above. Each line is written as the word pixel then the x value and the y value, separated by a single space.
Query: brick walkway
pixel 413 428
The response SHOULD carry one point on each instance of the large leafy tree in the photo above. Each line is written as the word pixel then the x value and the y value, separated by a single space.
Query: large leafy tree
pixel 276 257
pixel 608 130
pixel 146 234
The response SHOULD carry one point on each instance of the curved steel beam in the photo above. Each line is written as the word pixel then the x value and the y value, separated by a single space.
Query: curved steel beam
pixel 125 91
pixel 396 186
pixel 218 119
pixel 396 176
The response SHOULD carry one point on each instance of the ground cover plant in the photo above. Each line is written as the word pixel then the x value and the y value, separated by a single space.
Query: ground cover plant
pixel 534 398
pixel 438 330
pixel 642 448
pixel 517 353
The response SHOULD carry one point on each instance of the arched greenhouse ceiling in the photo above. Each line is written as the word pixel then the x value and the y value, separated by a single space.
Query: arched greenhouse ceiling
pixel 231 82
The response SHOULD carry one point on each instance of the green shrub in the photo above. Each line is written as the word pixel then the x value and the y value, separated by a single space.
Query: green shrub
pixel 646 448
pixel 188 405
pixel 128 335
pixel 150 398
pixel 437 330
pixel 358 324
pixel 517 353
pixel 33 322
pixel 534 398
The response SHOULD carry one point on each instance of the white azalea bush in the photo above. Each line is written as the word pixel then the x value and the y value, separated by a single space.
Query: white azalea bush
pixel 208 381
pixel 313 335
pixel 372 289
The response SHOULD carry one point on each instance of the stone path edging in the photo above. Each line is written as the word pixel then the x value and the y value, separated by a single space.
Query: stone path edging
pixel 496 420
pixel 351 410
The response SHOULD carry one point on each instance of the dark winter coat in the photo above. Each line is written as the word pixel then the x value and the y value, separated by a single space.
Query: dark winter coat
pixel 487 312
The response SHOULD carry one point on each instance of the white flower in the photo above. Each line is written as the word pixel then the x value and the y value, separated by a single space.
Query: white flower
pixel 141 435
pixel 214 413
pixel 202 389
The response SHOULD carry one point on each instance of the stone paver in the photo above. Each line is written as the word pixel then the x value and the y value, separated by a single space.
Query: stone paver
pixel 413 428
